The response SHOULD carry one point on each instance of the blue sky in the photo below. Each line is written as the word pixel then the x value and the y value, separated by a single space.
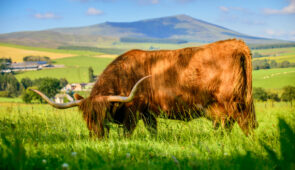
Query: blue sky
pixel 264 18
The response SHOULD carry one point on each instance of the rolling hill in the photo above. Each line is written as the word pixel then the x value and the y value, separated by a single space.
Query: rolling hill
pixel 172 29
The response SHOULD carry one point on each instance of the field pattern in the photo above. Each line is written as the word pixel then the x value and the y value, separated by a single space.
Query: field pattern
pixel 277 54
pixel 17 54
pixel 75 71
pixel 41 137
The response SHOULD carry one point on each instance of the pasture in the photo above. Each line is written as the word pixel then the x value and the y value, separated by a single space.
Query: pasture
pixel 40 137
pixel 274 78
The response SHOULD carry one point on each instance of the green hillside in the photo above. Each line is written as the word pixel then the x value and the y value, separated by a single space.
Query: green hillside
pixel 274 78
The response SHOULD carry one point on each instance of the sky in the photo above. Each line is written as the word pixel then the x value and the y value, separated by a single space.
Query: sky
pixel 262 18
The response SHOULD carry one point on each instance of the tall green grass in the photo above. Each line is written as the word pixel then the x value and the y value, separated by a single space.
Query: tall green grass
pixel 41 137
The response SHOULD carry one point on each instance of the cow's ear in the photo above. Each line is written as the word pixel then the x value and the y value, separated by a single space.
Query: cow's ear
pixel 78 97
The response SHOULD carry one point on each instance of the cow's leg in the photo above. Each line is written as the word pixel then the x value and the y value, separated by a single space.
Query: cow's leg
pixel 95 129
pixel 150 123
pixel 130 123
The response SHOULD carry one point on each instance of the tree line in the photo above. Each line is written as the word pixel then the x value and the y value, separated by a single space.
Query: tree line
pixel 268 64
pixel 288 94
pixel 11 87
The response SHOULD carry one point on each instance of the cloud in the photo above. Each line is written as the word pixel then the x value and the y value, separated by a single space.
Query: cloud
pixel 47 15
pixel 93 11
pixel 280 34
pixel 224 9
pixel 290 9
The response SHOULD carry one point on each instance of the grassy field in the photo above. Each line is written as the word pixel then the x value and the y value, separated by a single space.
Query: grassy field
pixel 76 70
pixel 41 137
pixel 274 78
pixel 278 54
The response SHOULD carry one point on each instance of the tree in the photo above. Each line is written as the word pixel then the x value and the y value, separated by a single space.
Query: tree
pixel 259 94
pixel 273 64
pixel 90 73
pixel 10 84
pixel 288 94
pixel 273 97
pixel 28 95
pixel 63 82
pixel 49 86
pixel 26 82
pixel 285 64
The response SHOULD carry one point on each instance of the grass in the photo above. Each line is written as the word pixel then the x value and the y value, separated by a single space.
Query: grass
pixel 274 78
pixel 10 100
pixel 41 137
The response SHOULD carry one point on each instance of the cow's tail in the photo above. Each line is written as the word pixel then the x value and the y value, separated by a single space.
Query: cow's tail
pixel 248 98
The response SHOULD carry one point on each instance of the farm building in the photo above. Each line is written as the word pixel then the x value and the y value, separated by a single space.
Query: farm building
pixel 78 87
pixel 26 66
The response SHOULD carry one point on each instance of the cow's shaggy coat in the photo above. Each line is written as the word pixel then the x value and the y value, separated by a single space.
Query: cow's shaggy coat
pixel 213 80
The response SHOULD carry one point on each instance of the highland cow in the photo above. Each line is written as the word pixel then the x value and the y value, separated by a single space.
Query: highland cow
pixel 213 81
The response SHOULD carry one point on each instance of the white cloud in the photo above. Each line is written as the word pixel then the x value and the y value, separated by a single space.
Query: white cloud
pixel 280 34
pixel 47 15
pixel 223 8
pixel 94 11
pixel 290 9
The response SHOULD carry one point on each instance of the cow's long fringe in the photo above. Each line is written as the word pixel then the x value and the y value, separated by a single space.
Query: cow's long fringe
pixel 94 113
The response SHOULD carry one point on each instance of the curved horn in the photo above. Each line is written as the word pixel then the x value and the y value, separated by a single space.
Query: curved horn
pixel 57 105
pixel 131 95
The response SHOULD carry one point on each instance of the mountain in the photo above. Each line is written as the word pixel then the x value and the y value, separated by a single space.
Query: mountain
pixel 173 29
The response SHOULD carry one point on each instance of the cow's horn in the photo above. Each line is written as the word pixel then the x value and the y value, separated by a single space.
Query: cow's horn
pixel 131 95
pixel 58 105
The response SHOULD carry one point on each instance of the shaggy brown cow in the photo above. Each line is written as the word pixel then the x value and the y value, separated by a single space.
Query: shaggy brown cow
pixel 213 80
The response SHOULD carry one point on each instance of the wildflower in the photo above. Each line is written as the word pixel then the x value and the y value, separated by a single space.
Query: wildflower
pixel 225 154
pixel 65 166
pixel 44 161
pixel 127 155
pixel 74 154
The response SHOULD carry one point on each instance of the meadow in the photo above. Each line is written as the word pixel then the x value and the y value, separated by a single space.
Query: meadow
pixel 41 137
pixel 37 136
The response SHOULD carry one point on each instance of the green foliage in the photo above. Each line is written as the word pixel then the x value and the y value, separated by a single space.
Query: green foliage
pixel 10 84
pixel 3 63
pixel 37 58
pixel 49 86
pixel 273 97
pixel 26 82
pixel 288 93
pixel 90 74
pixel 257 55
pixel 28 96
pixel 259 94
pixel 63 82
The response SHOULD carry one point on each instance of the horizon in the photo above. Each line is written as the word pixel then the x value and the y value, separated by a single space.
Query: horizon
pixel 267 19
